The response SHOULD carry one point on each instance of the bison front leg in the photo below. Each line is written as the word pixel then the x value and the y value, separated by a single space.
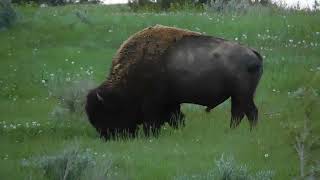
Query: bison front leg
pixel 153 118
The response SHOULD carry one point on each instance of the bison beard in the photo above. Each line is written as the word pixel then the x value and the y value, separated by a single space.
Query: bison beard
pixel 159 68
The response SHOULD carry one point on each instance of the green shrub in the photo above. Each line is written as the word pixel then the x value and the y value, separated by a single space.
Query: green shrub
pixel 71 98
pixel 69 91
pixel 235 6
pixel 55 2
pixel 163 5
pixel 71 164
pixel 227 169
pixel 7 14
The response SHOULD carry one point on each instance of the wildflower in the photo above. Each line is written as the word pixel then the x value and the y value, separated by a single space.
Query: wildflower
pixel 266 155
pixel 43 81
pixel 72 62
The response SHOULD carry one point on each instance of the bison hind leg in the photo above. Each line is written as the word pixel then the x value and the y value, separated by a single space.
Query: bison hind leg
pixel 237 111
pixel 252 114
pixel 240 106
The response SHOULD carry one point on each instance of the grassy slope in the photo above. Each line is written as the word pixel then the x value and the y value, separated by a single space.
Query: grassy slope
pixel 44 38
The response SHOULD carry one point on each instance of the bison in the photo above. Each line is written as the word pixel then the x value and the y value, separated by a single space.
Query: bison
pixel 160 67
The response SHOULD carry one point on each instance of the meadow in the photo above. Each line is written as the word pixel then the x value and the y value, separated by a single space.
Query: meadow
pixel 52 55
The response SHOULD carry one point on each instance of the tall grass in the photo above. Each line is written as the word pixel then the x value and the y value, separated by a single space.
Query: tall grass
pixel 48 49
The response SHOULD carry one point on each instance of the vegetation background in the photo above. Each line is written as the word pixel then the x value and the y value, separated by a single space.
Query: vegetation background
pixel 50 56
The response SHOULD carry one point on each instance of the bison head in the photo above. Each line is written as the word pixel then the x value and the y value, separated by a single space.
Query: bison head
pixel 107 112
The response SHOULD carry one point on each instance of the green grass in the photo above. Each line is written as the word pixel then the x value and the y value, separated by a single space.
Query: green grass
pixel 52 43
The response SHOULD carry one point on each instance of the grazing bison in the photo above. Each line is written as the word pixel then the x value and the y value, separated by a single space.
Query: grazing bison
pixel 160 67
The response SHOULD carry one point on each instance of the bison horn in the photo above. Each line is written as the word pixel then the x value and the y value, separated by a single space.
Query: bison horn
pixel 99 97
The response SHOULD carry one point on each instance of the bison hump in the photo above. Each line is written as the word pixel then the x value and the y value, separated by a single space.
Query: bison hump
pixel 145 46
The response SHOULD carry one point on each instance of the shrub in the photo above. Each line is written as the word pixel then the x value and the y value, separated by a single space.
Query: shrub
pixel 7 14
pixel 237 6
pixel 149 5
pixel 71 164
pixel 69 90
pixel 55 2
pixel 71 98
pixel 227 169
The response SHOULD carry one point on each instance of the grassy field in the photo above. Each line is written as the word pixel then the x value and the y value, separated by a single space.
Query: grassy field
pixel 52 52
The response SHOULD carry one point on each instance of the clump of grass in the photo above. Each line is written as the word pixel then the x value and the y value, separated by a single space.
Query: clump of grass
pixel 7 14
pixel 227 169
pixel 71 164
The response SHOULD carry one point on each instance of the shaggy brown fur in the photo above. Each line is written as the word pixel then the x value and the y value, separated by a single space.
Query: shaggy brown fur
pixel 146 45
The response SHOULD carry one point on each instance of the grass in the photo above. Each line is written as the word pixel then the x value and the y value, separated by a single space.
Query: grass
pixel 48 45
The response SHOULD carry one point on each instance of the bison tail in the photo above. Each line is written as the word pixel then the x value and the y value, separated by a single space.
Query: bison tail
pixel 255 66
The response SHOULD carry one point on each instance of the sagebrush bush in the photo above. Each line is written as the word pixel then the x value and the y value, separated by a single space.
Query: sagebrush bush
pixel 71 164
pixel 70 92
pixel 227 169
pixel 7 14
pixel 56 2
pixel 233 6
